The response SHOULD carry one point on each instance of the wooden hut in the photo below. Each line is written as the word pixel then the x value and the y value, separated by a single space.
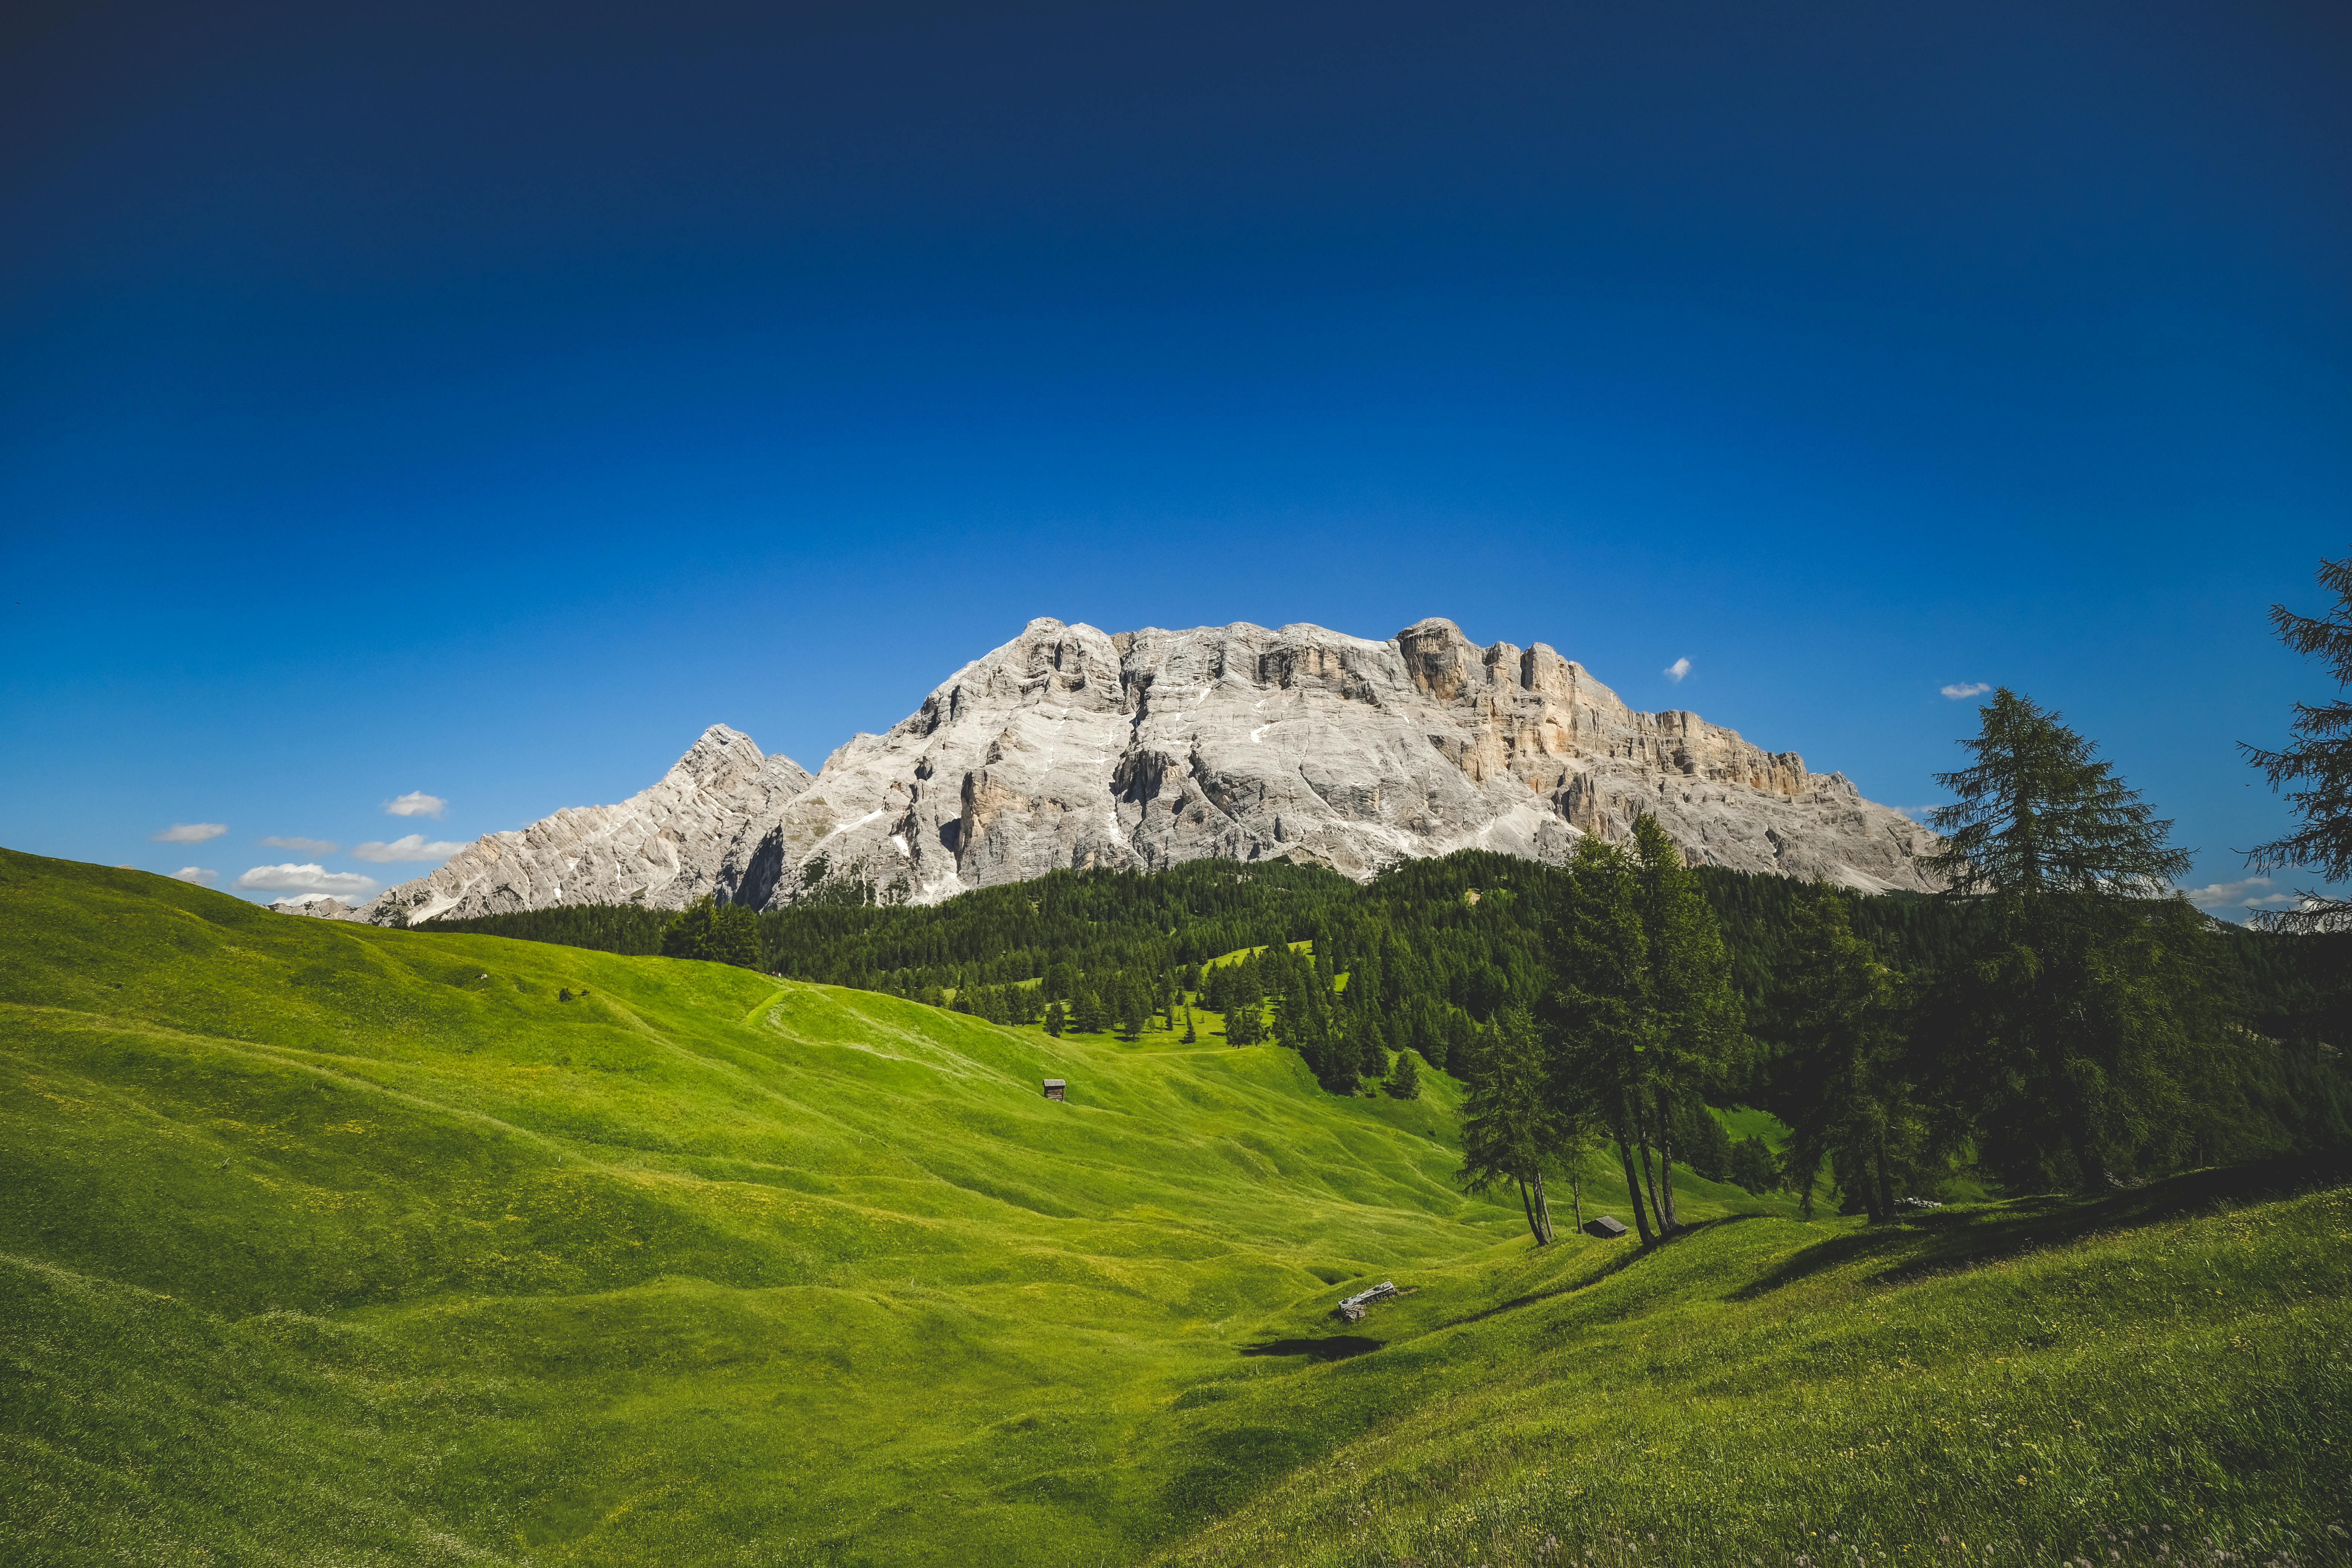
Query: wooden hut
pixel 1603 1227
pixel 1054 1087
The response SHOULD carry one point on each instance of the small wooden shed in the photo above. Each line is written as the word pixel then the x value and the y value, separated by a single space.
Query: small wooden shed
pixel 1054 1087
pixel 1605 1227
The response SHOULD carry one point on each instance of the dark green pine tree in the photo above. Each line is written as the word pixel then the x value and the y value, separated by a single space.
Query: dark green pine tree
pixel 1054 1019
pixel 1191 1037
pixel 1603 1065
pixel 1404 1078
pixel 2066 1043
pixel 1505 1130
pixel 2319 759
pixel 1753 1166
pixel 719 932
pixel 1244 1011
pixel 2038 813
pixel 1085 1012
pixel 1134 1009
pixel 1838 1074
pixel 1367 1041
pixel 1696 1027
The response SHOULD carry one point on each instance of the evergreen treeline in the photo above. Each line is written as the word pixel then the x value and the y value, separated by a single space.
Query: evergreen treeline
pixel 2053 1028
pixel 1467 916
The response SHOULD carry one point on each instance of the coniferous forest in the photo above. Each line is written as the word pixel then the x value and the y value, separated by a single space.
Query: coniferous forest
pixel 1446 957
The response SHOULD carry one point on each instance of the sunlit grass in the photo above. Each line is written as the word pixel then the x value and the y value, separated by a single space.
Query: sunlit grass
pixel 326 1244
pixel 2164 1377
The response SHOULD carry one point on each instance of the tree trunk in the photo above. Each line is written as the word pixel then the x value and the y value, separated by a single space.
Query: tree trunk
pixel 1669 1220
pixel 1543 1212
pixel 1885 1186
pixel 2091 1171
pixel 1650 1174
pixel 1576 1187
pixel 1527 1209
pixel 1633 1189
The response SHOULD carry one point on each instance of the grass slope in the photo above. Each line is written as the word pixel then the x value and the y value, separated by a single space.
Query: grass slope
pixel 328 1244
pixel 323 1238
pixel 2163 1377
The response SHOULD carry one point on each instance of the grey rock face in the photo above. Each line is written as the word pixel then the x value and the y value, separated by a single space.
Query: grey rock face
pixel 323 906
pixel 664 847
pixel 1069 747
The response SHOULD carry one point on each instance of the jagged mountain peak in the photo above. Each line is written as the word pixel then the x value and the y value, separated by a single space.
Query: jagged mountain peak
pixel 1069 746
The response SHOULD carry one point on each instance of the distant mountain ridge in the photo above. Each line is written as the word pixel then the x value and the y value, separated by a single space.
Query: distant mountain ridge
pixel 1071 747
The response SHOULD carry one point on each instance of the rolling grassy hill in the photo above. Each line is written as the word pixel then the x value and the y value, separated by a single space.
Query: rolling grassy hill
pixel 330 1243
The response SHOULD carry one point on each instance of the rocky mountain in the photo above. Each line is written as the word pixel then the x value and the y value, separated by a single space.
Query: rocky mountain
pixel 664 847
pixel 1071 747
pixel 319 906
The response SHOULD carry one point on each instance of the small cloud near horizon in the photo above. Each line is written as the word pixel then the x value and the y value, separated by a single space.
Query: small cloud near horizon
pixel 310 878
pixel 189 833
pixel 1962 688
pixel 195 874
pixel 300 845
pixel 410 846
pixel 1676 670
pixel 416 802
pixel 2249 895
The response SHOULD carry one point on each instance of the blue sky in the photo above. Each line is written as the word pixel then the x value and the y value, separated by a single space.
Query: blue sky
pixel 477 402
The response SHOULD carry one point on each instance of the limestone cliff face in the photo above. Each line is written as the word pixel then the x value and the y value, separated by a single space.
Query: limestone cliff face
pixel 1069 747
pixel 664 846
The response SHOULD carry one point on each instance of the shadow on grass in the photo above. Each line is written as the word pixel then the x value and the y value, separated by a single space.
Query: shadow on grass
pixel 1631 1252
pixel 1333 1347
pixel 1942 1240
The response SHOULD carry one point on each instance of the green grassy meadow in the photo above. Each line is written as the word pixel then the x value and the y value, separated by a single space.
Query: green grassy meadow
pixel 328 1244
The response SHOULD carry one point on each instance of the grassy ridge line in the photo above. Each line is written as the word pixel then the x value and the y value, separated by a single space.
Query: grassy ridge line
pixel 698 1268
pixel 2161 1377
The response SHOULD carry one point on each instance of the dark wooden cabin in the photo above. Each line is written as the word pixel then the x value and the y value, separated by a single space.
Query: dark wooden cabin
pixel 1054 1086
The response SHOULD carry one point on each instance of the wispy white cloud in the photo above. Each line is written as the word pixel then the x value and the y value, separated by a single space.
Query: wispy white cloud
pixel 1676 670
pixel 310 878
pixel 196 874
pixel 416 802
pixel 410 846
pixel 1963 688
pixel 301 846
pixel 2251 894
pixel 189 833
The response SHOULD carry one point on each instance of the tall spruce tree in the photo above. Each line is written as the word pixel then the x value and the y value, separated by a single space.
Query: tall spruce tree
pixel 1838 1076
pixel 1506 1128
pixel 1696 1025
pixel 2065 1044
pixel 1601 1063
pixel 1404 1078
pixel 2319 759
pixel 2038 813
